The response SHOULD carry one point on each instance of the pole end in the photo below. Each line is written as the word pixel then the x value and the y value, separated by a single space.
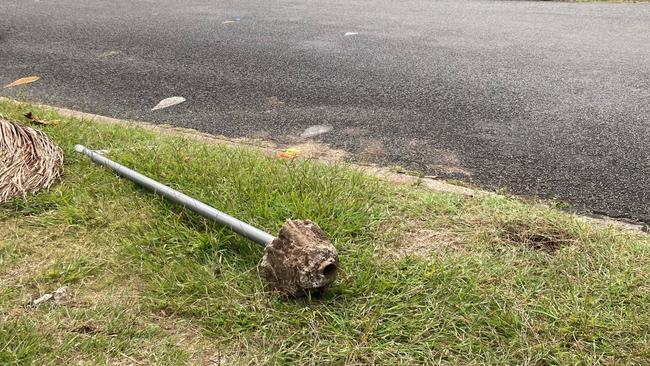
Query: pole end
pixel 79 148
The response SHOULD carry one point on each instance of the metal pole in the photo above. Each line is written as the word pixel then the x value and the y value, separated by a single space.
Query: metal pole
pixel 261 237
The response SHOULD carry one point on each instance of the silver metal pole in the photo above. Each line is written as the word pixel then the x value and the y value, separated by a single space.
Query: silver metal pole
pixel 261 237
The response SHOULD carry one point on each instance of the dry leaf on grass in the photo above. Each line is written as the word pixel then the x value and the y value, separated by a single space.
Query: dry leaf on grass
pixel 29 160
pixel 289 153
pixel 32 118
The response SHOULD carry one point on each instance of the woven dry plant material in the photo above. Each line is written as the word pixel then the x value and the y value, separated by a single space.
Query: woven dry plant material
pixel 29 160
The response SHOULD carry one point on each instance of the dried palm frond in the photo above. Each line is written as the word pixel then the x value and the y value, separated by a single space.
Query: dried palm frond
pixel 29 160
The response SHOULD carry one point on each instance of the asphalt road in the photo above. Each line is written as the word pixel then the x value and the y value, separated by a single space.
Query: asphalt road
pixel 547 99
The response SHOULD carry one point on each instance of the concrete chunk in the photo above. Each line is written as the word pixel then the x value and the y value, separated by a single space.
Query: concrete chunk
pixel 301 260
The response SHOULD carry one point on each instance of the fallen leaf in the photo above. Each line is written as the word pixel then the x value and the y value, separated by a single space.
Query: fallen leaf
pixel 30 116
pixel 316 130
pixel 21 81
pixel 168 102
pixel 291 152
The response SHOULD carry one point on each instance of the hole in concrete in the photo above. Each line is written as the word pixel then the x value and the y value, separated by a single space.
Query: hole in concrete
pixel 329 270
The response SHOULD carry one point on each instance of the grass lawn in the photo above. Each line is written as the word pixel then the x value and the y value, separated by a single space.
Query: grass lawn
pixel 428 278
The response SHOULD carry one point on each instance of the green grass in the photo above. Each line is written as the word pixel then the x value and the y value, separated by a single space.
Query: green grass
pixel 489 280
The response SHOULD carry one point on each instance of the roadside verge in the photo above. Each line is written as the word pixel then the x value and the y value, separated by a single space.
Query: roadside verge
pixel 463 277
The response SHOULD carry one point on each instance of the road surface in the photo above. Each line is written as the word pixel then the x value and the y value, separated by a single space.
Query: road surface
pixel 546 99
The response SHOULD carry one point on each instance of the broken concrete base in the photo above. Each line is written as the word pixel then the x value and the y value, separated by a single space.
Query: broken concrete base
pixel 300 260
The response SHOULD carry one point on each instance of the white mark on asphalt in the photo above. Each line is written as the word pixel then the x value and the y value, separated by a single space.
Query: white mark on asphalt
pixel 315 131
pixel 168 102
pixel 233 20
pixel 351 34
pixel 110 53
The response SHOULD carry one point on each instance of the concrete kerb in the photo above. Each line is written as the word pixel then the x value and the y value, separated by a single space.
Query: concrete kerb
pixel 270 148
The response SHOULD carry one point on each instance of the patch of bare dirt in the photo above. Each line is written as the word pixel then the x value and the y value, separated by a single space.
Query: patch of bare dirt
pixel 543 236
pixel 430 184
pixel 423 243
pixel 373 149
pixel 316 150
pixel 452 170
pixel 188 336
pixel 441 160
